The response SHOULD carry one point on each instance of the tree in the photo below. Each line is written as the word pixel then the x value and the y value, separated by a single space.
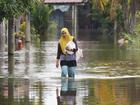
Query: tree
pixel 39 19
pixel 100 4
pixel 101 14
pixel 10 9
pixel 120 13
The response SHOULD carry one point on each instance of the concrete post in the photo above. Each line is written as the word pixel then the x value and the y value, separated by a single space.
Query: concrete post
pixel 74 20
pixel 27 34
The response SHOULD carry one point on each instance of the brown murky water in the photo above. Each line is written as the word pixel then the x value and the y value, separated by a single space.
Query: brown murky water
pixel 104 76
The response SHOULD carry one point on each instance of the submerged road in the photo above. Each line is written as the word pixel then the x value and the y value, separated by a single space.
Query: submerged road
pixel 103 77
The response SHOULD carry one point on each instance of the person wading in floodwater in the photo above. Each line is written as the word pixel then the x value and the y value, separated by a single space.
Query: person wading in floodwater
pixel 66 54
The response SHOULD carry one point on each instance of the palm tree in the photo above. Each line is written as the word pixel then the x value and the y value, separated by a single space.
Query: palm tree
pixel 100 4
pixel 121 12
pixel 129 8
pixel 133 7
pixel 112 15
pixel 109 8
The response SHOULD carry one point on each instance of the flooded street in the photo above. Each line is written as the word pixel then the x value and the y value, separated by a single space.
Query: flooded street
pixel 104 76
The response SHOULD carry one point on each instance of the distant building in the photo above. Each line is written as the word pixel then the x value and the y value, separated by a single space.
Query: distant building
pixel 73 14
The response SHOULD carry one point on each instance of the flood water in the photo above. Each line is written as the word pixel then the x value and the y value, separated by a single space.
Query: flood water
pixel 104 76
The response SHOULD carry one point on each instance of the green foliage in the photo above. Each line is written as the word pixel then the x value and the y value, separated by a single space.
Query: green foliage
pixel 39 18
pixel 133 39
pixel 51 33
pixel 19 34
pixel 120 18
pixel 34 34
pixel 106 25
pixel 23 27
pixel 10 8
pixel 136 36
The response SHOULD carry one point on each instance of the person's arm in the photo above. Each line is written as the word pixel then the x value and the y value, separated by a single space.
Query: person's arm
pixel 58 55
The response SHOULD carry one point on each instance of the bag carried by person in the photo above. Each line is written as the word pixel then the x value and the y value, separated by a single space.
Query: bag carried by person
pixel 71 45
pixel 79 54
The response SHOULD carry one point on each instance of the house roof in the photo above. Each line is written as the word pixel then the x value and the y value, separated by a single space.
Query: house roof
pixel 62 1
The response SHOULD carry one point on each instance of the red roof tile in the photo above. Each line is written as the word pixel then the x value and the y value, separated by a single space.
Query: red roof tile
pixel 63 1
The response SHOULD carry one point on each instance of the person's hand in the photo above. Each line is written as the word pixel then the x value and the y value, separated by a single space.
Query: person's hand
pixel 57 63
pixel 68 49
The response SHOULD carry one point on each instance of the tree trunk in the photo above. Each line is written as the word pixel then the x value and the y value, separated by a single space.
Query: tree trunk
pixel 11 37
pixel 2 38
pixel 2 43
pixel 27 34
pixel 18 24
pixel 115 32
pixel 133 16
pixel 43 36
pixel 126 16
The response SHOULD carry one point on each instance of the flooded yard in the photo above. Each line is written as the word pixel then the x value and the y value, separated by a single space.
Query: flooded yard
pixel 104 76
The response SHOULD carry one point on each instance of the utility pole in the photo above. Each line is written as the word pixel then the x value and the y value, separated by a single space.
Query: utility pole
pixel 74 20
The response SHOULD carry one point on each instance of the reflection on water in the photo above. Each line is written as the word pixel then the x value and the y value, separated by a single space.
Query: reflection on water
pixel 67 93
pixel 86 92
pixel 105 76
pixel 113 92
pixel 11 64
